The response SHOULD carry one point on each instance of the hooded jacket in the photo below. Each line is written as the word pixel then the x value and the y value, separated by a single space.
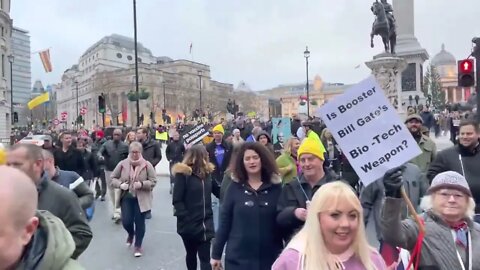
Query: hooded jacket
pixel 192 202
pixel 152 151
pixel 50 247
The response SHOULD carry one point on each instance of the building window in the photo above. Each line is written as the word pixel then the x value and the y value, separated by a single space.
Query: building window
pixel 3 65
pixel 119 55
pixel 129 58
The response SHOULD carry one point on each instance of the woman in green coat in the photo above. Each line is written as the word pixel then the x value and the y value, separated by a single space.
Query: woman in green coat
pixel 287 162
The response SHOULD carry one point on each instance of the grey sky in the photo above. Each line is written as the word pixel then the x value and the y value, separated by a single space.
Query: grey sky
pixel 260 42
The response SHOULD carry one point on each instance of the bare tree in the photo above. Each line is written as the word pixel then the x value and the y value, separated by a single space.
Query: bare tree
pixel 109 84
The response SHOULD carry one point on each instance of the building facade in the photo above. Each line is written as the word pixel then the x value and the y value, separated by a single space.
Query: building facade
pixel 5 87
pixel 22 73
pixel 446 66
pixel 108 68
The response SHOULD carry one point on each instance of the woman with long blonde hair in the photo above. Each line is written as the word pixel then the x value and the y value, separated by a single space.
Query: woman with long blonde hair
pixel 333 236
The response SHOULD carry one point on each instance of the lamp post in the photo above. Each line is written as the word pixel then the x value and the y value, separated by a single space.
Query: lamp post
pixel 76 86
pixel 136 59
pixel 200 80
pixel 476 54
pixel 306 54
pixel 164 98
pixel 11 59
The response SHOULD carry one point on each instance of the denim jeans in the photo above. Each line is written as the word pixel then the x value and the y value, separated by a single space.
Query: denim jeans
pixel 133 220
pixel 216 211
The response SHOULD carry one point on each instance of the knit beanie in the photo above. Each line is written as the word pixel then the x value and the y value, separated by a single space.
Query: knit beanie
pixel 449 180
pixel 311 146
pixel 218 128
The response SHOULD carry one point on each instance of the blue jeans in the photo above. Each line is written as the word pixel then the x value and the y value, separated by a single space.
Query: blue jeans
pixel 216 211
pixel 133 220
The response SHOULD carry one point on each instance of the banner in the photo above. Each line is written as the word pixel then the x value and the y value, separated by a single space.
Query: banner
pixel 195 135
pixel 38 100
pixel 368 130
pixel 45 58
pixel 281 126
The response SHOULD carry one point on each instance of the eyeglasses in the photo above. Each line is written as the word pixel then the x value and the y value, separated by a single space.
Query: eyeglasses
pixel 447 195
pixel 117 134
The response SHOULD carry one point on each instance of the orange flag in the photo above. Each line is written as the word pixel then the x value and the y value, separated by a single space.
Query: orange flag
pixel 45 57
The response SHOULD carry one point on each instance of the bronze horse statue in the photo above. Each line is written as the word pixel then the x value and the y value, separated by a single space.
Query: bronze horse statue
pixel 384 28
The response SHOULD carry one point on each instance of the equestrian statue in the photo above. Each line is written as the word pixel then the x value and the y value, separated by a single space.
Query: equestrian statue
pixel 384 25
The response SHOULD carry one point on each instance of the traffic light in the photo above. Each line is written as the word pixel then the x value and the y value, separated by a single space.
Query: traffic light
pixel 15 117
pixel 101 104
pixel 466 73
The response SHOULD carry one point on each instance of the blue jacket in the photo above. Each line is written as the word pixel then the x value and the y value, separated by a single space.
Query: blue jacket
pixel 75 182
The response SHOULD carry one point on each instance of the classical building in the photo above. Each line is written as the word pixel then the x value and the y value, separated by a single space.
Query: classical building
pixel 446 66
pixel 5 86
pixel 108 67
pixel 290 97
pixel 22 74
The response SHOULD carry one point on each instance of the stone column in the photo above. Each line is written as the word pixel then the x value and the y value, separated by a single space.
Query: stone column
pixel 387 69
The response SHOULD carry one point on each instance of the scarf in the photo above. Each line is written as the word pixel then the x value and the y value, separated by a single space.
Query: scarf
pixel 135 167
pixel 461 230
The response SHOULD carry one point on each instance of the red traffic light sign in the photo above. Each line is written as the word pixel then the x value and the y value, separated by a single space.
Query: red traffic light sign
pixel 466 65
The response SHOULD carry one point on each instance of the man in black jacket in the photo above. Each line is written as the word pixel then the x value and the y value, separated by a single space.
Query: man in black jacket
pixel 67 157
pixel 297 194
pixel 174 152
pixel 151 148
pixel 52 197
pixel 113 151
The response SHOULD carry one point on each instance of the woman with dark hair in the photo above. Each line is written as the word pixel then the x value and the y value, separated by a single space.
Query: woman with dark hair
pixel 228 175
pixel 192 203
pixel 248 214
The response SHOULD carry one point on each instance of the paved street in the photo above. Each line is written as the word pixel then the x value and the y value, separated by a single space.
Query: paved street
pixel 163 248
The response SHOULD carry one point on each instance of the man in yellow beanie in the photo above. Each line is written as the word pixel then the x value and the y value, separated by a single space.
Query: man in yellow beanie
pixel 297 194
pixel 219 152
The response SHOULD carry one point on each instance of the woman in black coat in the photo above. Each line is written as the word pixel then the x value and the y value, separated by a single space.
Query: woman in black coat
pixel 192 202
pixel 248 215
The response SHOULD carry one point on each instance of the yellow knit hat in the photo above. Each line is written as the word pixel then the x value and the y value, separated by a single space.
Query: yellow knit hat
pixel 3 157
pixel 311 146
pixel 218 128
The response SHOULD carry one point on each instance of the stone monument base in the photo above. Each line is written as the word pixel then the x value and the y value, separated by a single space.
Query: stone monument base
pixel 387 69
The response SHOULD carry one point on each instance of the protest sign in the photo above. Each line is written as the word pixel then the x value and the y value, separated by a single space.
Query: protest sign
pixel 281 126
pixel 369 130
pixel 194 135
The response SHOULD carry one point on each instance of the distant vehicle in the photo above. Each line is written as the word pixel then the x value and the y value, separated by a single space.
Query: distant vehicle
pixel 35 139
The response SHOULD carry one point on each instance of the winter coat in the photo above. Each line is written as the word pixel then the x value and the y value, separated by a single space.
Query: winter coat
pixel 217 174
pixel 74 182
pixel 428 119
pixel 429 152
pixel 147 176
pixel 50 248
pixel 192 203
pixel 72 160
pixel 248 227
pixel 439 249
pixel 175 151
pixel 293 197
pixel 100 163
pixel 449 160
pixel 287 167
pixel 152 151
pixel 113 152
pixel 373 195
pixel 64 204
pixel 90 165
pixel 269 145
pixel 227 180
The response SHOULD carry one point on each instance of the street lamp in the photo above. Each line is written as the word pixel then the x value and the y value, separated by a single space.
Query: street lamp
pixel 136 59
pixel 200 79
pixel 76 86
pixel 164 98
pixel 11 59
pixel 306 54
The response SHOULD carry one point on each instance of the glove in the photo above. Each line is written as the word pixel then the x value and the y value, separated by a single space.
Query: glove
pixel 124 186
pixel 392 181
pixel 137 185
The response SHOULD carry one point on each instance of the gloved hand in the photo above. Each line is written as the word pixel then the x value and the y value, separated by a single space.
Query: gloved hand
pixel 392 181
pixel 124 186
pixel 137 185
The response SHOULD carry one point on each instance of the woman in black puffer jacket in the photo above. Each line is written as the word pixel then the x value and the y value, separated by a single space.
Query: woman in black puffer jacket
pixel 193 205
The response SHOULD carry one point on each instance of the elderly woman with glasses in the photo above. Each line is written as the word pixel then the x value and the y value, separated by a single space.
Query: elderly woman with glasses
pixel 136 177
pixel 451 239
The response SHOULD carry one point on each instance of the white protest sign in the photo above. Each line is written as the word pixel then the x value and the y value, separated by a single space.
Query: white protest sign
pixel 368 130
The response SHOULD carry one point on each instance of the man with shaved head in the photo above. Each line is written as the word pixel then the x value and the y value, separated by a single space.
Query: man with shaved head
pixel 52 197
pixel 30 239
pixel 113 151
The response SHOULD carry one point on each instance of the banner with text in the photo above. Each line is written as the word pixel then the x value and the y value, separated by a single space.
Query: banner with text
pixel 368 130
pixel 196 134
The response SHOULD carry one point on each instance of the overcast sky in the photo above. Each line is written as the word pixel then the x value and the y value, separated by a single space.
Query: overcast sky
pixel 258 41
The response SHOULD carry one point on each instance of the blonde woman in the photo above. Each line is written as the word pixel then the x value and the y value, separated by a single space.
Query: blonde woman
pixel 333 236
pixel 287 162
pixel 131 137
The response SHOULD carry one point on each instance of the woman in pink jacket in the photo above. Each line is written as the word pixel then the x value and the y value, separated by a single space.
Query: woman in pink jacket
pixel 135 177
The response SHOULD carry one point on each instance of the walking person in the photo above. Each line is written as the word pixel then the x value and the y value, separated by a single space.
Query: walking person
pixel 67 157
pixel 113 151
pixel 192 204
pixel 248 224
pixel 136 177
pixel 174 152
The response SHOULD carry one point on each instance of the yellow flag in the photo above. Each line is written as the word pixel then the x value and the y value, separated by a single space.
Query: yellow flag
pixel 38 100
